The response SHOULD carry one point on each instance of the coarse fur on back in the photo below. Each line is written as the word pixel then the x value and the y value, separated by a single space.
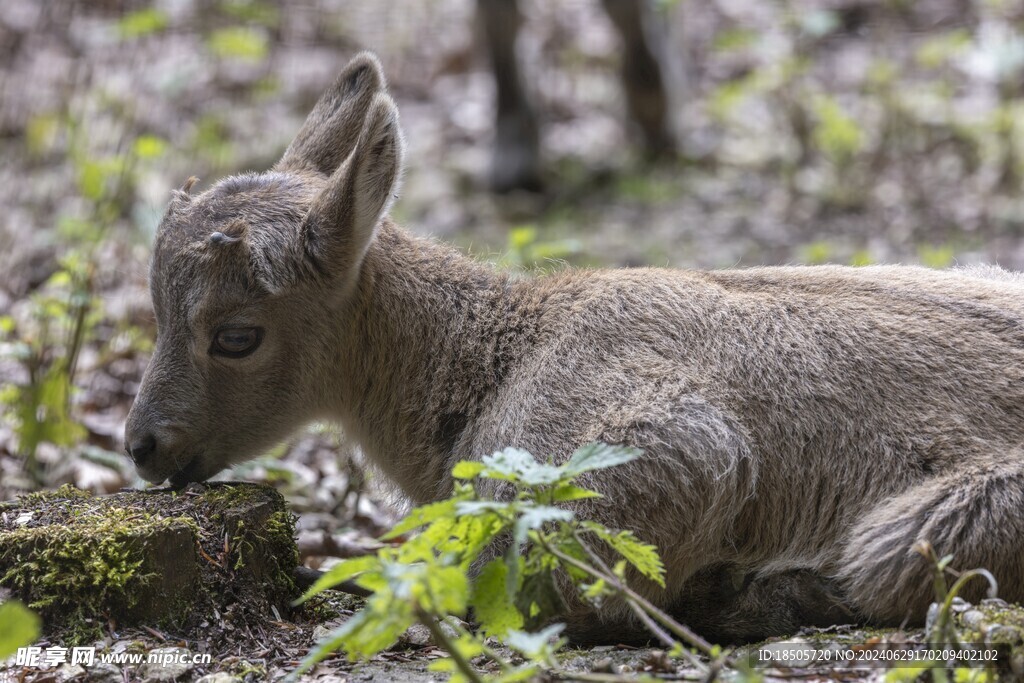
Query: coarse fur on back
pixel 801 427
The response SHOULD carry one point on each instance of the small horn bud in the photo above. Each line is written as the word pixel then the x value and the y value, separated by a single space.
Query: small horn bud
pixel 221 238
pixel 179 198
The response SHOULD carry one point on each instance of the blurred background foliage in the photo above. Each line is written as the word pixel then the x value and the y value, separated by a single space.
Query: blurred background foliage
pixel 809 131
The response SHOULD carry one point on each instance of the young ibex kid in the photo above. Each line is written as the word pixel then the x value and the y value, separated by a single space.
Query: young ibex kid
pixel 801 428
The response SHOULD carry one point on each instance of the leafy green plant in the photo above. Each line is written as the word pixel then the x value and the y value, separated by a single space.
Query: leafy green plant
pixel 861 257
pixel 252 11
pixel 836 134
pixel 47 345
pixel 817 252
pixel 239 42
pixel 211 141
pixel 938 50
pixel 527 250
pixel 647 188
pixel 726 98
pixel 840 140
pixel 41 132
pixel 47 336
pixel 19 627
pixel 142 22
pixel 940 256
pixel 943 632
pixel 501 556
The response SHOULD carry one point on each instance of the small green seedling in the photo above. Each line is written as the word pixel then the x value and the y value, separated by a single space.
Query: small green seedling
pixel 498 556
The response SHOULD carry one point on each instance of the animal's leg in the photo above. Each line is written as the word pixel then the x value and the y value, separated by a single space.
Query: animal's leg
pixel 727 606
pixel 516 162
pixel 975 514
pixel 641 77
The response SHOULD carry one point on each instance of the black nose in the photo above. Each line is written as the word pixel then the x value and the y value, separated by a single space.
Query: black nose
pixel 141 450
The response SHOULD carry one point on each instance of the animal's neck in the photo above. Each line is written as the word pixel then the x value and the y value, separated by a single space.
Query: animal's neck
pixel 423 350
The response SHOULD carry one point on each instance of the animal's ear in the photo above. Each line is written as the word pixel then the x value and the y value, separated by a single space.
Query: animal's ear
pixel 332 128
pixel 340 224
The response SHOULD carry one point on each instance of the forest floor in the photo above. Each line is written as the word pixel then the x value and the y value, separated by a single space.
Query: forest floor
pixel 812 131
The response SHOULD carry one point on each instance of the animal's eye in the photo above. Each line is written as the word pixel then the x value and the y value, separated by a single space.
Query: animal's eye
pixel 236 342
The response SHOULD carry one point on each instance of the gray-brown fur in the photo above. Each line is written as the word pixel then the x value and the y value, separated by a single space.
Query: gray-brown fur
pixel 801 427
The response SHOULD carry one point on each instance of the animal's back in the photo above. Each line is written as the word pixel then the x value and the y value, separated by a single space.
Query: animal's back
pixel 776 406
pixel 801 345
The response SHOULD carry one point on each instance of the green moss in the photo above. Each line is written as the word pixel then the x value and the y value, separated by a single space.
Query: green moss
pixel 325 607
pixel 65 492
pixel 245 668
pixel 1005 614
pixel 1001 623
pixel 83 561
pixel 228 496
pixel 74 574
pixel 280 538
pixel 995 623
pixel 240 510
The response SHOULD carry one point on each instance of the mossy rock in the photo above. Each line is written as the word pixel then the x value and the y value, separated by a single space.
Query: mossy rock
pixel 995 623
pixel 157 558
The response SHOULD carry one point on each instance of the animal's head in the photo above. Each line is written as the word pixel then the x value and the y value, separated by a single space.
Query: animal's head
pixel 247 279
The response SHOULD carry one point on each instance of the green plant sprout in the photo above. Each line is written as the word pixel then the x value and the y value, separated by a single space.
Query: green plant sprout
pixel 501 557
pixel 47 339
pixel 943 634
pixel 526 250
pixel 47 346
